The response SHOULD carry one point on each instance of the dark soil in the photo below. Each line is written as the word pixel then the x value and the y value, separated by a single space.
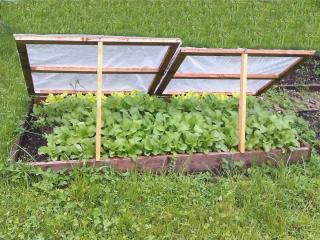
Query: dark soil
pixel 32 139
pixel 308 73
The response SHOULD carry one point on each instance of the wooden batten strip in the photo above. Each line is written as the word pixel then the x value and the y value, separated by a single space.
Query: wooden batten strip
pixel 242 101
pixel 111 70
pixel 163 66
pixel 99 101
pixel 252 52
pixel 25 65
pixel 94 39
pixel 170 74
pixel 222 76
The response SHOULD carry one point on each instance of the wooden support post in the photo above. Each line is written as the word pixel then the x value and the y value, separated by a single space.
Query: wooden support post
pixel 242 101
pixel 99 100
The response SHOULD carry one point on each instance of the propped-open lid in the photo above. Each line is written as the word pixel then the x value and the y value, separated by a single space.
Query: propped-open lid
pixel 60 63
pixel 218 70
pixel 68 63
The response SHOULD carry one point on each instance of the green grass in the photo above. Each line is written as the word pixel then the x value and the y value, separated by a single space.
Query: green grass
pixel 265 203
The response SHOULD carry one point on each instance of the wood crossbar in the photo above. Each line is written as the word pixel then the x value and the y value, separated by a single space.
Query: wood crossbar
pixel 222 76
pixel 112 70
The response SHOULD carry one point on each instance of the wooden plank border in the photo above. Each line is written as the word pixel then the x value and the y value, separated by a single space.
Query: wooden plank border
pixel 197 162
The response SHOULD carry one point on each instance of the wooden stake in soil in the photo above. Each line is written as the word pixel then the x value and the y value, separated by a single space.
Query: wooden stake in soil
pixel 242 101
pixel 99 100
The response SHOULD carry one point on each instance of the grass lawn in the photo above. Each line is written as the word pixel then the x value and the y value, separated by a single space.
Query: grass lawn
pixel 262 203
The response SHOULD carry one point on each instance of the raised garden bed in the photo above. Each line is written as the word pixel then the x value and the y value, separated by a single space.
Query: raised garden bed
pixel 190 132
pixel 27 145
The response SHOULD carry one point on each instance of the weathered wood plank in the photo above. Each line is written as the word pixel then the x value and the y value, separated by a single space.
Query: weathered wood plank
pixel 111 70
pixel 25 65
pixel 223 76
pixel 171 72
pixel 253 52
pixel 197 162
pixel 163 66
pixel 94 39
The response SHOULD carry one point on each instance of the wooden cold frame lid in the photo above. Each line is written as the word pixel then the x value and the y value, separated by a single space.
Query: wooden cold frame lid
pixel 23 39
pixel 172 72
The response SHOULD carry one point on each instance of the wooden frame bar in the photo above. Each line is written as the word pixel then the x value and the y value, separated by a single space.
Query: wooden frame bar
pixel 99 101
pixel 163 66
pixel 242 101
pixel 174 66
pixel 94 39
pixel 222 76
pixel 252 52
pixel 25 65
pixel 111 70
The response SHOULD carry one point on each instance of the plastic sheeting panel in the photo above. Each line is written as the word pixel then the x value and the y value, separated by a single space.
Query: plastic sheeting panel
pixel 213 85
pixel 86 55
pixel 231 64
pixel 88 82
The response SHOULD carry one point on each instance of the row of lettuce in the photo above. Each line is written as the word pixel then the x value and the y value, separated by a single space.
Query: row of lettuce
pixel 137 124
